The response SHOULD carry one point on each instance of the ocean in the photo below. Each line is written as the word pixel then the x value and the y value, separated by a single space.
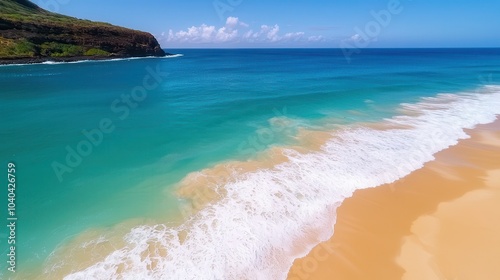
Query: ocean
pixel 213 164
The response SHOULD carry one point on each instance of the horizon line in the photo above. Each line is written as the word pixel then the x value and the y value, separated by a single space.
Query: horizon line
pixel 330 48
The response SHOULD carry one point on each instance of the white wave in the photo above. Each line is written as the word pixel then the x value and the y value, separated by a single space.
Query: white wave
pixel 248 234
pixel 89 60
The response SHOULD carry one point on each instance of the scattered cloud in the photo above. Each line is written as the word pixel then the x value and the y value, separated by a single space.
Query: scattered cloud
pixel 359 40
pixel 316 38
pixel 234 22
pixel 235 30
pixel 355 38
pixel 203 33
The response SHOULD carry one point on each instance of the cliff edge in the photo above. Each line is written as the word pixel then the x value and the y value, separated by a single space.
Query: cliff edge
pixel 30 34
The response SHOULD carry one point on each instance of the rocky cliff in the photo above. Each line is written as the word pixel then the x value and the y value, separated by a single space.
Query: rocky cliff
pixel 29 33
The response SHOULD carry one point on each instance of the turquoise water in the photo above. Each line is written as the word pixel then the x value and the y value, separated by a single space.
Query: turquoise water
pixel 209 106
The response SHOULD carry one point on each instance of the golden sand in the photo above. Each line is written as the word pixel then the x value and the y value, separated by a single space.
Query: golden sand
pixel 440 222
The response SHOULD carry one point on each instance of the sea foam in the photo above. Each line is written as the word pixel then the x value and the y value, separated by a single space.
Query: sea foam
pixel 249 233
pixel 50 62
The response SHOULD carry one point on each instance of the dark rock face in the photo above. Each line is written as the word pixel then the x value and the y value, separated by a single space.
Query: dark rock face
pixel 116 40
pixel 39 27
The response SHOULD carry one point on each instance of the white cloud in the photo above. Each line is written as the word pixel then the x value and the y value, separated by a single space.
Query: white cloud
pixel 271 32
pixel 355 38
pixel 224 35
pixel 248 34
pixel 202 34
pixel 234 30
pixel 358 40
pixel 316 38
pixel 295 36
pixel 232 22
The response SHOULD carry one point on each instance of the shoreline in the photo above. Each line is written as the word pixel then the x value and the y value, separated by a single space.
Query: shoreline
pixel 184 233
pixel 409 229
pixel 75 59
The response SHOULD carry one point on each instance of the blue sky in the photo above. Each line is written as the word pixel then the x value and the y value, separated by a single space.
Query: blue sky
pixel 300 23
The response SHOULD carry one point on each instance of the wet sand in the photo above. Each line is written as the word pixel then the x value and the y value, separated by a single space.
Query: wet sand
pixel 440 222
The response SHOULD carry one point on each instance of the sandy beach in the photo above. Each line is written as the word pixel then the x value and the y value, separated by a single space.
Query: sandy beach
pixel 440 222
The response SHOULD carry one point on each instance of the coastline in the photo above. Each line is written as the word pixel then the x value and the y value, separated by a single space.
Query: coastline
pixel 435 223
pixel 75 59
pixel 238 205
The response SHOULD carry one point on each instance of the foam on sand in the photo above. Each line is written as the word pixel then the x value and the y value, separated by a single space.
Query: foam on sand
pixel 250 232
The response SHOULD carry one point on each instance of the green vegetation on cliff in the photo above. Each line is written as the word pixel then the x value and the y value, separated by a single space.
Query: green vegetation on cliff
pixel 28 31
